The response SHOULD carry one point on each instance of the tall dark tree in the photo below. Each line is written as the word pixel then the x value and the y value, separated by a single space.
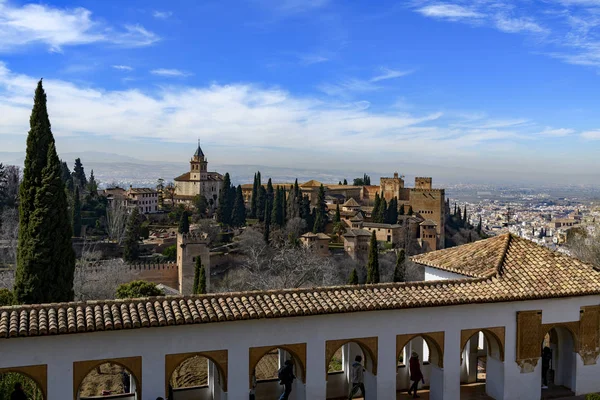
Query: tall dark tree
pixel 353 278
pixel 66 176
pixel 45 260
pixel 131 245
pixel 277 212
pixel 76 213
pixel 267 231
pixel 340 183
pixel 373 263
pixel 401 210
pixel 254 197
pixel 392 212
pixel 199 277
pixel 184 223
pixel 305 211
pixel 225 207
pixel 410 210
pixel 321 212
pixel 400 269
pixel 298 199
pixel 383 211
pixel 239 208
pixel 465 218
pixel 479 226
pixel 455 210
pixel 345 182
pixel 367 180
pixel 260 203
pixel 338 216
pixel 79 178
pixel 269 202
pixel 376 208
pixel 92 185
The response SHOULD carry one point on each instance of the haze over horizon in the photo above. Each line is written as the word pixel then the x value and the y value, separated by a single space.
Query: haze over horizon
pixel 495 90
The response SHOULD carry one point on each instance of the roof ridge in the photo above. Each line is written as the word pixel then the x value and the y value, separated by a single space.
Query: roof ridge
pixel 502 257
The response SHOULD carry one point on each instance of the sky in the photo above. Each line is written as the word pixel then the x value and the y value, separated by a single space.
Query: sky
pixel 489 85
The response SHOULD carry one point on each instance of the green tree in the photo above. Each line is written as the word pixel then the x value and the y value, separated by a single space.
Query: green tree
pixel 92 185
pixel 267 231
pixel 170 253
pixel 45 259
pixel 239 208
pixel 465 218
pixel 225 207
pixel 367 180
pixel 184 223
pixel 261 203
pixel 410 210
pixel 373 263
pixel 66 176
pixel 131 246
pixel 277 217
pixel 305 211
pixel 345 182
pixel 400 270
pixel 479 226
pixel 254 196
pixel 79 178
pixel 7 297
pixel 340 183
pixel 200 205
pixel 76 214
pixel 137 289
pixel 199 277
pixel 321 212
pixel 383 211
pixel 338 216
pixel 376 208
pixel 392 212
pixel 269 202
pixel 358 182
pixel 353 278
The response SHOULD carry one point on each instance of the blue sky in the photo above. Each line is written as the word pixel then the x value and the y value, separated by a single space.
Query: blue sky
pixel 484 84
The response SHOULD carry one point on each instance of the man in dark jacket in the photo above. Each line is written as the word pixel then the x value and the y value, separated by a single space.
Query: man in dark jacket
pixel 18 393
pixel 546 359
pixel 415 374
pixel 286 378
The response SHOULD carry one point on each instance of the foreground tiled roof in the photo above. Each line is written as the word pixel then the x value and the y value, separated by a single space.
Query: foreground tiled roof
pixel 519 270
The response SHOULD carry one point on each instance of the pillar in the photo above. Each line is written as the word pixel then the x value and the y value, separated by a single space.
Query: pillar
pixel 153 375
pixel 60 380
pixel 238 373
pixel 386 367
pixel 316 384
pixel 450 373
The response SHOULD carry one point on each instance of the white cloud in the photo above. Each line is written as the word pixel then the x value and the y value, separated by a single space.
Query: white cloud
pixel 162 14
pixel 557 132
pixel 59 27
pixel 591 135
pixel 449 11
pixel 387 73
pixel 123 67
pixel 169 72
pixel 514 25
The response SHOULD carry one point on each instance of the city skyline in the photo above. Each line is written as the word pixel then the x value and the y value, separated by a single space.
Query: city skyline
pixel 487 86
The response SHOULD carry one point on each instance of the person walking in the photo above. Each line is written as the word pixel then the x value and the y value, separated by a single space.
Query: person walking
pixel 18 393
pixel 358 378
pixel 415 374
pixel 546 359
pixel 286 378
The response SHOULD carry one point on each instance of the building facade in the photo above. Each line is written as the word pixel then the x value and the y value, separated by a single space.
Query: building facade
pixel 198 181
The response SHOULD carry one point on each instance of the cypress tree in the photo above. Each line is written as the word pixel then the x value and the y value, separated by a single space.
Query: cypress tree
pixel 225 206
pixel 376 207
pixel 131 248
pixel 373 264
pixel 465 217
pixel 340 183
pixel 400 270
pixel 184 223
pixel 305 211
pixel 202 281
pixel 383 211
pixel 92 185
pixel 345 182
pixel 270 198
pixel 410 210
pixel 197 267
pixel 45 256
pixel 353 278
pixel 253 198
pixel 239 208
pixel 277 212
pixel 79 178
pixel 338 216
pixel 455 210
pixel 267 231
pixel 260 203
pixel 298 199
pixel 479 226
pixel 284 206
pixel 77 214
pixel 392 214
pixel 321 216
pixel 401 210
pixel 66 176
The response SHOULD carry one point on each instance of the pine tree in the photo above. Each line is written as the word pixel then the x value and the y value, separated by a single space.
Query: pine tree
pixel 353 278
pixel 337 217
pixel 239 208
pixel 345 182
pixel 400 270
pixel 131 248
pixel 184 223
pixel 321 213
pixel 260 203
pixel 76 214
pixel 373 264
pixel 79 178
pixel 225 206
pixel 253 198
pixel 45 260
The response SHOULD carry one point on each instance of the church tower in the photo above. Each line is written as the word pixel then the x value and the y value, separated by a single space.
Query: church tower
pixel 198 165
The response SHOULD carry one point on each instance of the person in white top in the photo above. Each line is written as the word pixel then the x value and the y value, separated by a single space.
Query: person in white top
pixel 358 378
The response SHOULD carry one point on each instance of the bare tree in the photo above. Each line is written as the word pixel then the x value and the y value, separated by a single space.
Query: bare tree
pixel 9 230
pixel 584 244
pixel 99 280
pixel 116 220
pixel 210 228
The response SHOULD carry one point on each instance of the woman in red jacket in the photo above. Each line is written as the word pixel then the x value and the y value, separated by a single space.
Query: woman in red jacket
pixel 415 374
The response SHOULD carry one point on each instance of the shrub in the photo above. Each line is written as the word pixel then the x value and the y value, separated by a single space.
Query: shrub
pixel 136 289
pixel 6 298
pixel 593 396
pixel 170 252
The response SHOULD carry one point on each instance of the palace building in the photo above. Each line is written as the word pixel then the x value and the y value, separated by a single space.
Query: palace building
pixel 198 181
pixel 483 310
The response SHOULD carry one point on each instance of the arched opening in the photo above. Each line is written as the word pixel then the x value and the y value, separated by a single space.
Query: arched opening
pixel 196 377
pixel 339 370
pixel 482 365
pixel 265 382
pixel 109 379
pixel 9 380
pixel 430 359
pixel 558 363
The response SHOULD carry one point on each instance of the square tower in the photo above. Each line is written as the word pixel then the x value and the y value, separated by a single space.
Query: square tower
pixel 190 246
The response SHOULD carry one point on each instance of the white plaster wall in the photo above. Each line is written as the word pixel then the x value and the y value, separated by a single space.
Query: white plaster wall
pixel 59 352
pixel 199 393
pixel 434 274
pixel 494 382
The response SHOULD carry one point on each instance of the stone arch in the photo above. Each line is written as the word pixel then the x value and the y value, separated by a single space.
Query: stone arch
pixel 367 345
pixel 435 341
pixel 37 373
pixel 218 357
pixel 133 365
pixel 494 338
pixel 571 327
pixel 298 352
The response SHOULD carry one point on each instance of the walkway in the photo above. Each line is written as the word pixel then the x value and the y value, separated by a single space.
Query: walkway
pixel 475 391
